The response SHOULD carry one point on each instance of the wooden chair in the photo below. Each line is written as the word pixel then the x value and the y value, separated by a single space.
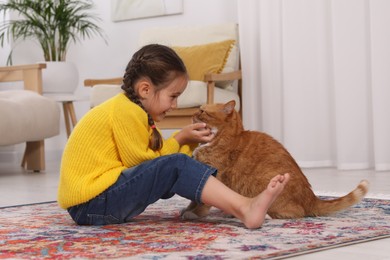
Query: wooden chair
pixel 178 117
pixel 18 107
pixel 216 86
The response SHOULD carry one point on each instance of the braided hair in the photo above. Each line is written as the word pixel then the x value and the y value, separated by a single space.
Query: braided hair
pixel 160 64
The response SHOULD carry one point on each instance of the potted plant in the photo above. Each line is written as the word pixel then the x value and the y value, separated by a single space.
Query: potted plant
pixel 54 24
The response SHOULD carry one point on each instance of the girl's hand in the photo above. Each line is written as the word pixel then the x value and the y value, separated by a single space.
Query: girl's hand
pixel 194 133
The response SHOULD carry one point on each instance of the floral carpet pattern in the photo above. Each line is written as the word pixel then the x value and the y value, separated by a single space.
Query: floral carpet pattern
pixel 46 231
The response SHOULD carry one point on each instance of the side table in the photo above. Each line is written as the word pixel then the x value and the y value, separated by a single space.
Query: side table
pixel 67 105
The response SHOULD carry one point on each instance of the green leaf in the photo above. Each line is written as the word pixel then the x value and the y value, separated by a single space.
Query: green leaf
pixel 53 24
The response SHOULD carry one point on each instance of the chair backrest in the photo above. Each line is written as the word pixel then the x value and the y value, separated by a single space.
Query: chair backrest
pixel 196 35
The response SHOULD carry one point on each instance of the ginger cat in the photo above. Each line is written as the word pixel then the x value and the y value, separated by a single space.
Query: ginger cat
pixel 246 162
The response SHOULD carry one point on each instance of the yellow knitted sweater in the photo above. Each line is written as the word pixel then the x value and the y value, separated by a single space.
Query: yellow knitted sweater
pixel 110 138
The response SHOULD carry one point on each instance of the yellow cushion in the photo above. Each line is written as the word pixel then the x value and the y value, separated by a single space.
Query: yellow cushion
pixel 203 59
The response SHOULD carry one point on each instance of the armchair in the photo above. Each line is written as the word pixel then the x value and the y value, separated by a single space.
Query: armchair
pixel 27 116
pixel 211 55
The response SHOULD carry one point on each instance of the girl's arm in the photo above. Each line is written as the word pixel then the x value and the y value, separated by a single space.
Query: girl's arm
pixel 194 133
pixel 188 139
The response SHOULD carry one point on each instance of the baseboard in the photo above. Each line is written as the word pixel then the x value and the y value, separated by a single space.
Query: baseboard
pixel 16 156
pixel 10 156
pixel 315 164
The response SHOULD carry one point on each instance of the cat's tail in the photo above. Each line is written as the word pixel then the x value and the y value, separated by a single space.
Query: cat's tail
pixel 326 207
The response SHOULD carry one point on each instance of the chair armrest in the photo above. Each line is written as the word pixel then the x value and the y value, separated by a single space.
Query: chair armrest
pixel 31 75
pixel 223 76
pixel 110 81
pixel 212 78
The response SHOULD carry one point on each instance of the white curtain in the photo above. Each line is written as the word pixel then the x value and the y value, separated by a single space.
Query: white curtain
pixel 316 76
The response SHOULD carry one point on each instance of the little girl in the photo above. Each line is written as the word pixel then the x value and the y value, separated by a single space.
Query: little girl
pixel 116 162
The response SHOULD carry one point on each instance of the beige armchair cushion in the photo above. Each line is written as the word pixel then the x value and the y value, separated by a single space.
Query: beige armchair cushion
pixel 27 116
pixel 195 94
pixel 101 93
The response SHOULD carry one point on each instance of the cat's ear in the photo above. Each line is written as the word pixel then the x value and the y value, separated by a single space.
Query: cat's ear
pixel 229 107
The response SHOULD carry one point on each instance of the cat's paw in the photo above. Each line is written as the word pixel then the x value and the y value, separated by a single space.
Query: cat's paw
pixel 189 215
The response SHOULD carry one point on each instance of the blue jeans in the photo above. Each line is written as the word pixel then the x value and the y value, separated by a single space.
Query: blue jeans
pixel 142 185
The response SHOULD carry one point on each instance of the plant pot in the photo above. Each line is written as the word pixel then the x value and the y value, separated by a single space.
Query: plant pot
pixel 60 77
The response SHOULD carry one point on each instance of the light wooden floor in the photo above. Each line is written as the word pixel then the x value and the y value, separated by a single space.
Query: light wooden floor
pixel 19 187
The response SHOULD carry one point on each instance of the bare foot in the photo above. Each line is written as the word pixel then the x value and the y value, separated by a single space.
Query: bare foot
pixel 256 210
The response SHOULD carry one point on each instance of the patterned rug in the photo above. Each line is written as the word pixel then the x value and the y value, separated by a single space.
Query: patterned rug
pixel 45 231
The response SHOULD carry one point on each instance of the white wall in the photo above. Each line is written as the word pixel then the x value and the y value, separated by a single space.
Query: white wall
pixel 96 59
